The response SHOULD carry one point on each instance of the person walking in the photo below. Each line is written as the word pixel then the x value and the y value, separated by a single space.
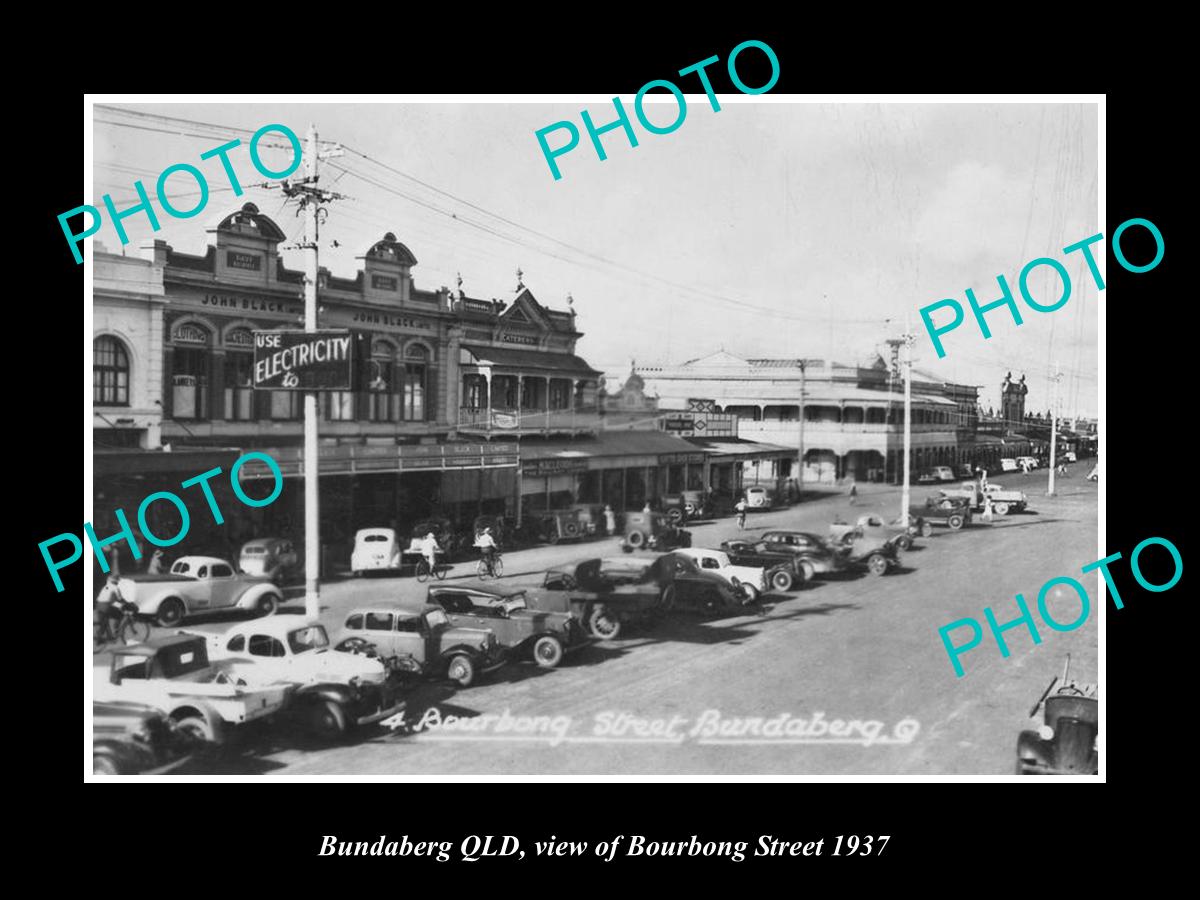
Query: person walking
pixel 987 508
pixel 853 493
pixel 741 513
pixel 610 520
pixel 646 508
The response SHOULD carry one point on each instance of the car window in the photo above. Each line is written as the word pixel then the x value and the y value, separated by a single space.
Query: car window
pixel 202 572
pixel 265 645
pixel 131 667
pixel 456 602
pixel 221 571
pixel 180 568
pixel 408 624
pixel 312 637
pixel 436 618
pixel 708 562
pixel 237 643
pixel 373 538
pixel 355 621
pixel 379 621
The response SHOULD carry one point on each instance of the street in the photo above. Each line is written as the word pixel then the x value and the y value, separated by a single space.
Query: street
pixel 679 698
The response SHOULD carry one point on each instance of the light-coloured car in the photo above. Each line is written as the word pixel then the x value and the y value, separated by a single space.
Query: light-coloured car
pixel 199 584
pixel 335 689
pixel 942 473
pixel 759 498
pixel 375 549
pixel 1009 465
pixel 175 675
pixel 270 557
pixel 750 580
pixel 1027 461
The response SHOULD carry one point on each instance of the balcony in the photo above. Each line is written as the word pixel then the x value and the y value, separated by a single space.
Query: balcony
pixel 504 420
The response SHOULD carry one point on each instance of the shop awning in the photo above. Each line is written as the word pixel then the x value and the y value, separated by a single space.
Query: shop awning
pixel 527 360
pixel 365 460
pixel 608 449
pixel 185 461
pixel 738 450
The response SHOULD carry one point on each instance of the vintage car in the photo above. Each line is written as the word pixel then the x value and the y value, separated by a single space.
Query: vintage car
pixel 879 555
pixel 420 640
pixel 1065 743
pixel 749 580
pixel 590 517
pixel 602 601
pixel 814 554
pixel 198 584
pixel 1030 461
pixel 759 497
pixel 174 674
pixel 874 528
pixel 685 585
pixel 783 570
pixel 675 508
pixel 335 690
pixel 1069 456
pixel 545 637
pixel 940 509
pixel 136 739
pixel 1009 465
pixel 1004 501
pixel 654 531
pixel 375 549
pixel 278 559
pixel 558 525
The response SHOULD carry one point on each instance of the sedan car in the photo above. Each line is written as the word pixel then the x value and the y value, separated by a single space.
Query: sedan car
pixel 199 584
pixel 748 580
pixel 375 549
pixel 815 555
pixel 271 557
pixel 133 739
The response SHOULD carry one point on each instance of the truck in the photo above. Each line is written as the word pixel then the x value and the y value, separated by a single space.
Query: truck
pixel 939 509
pixel 1004 501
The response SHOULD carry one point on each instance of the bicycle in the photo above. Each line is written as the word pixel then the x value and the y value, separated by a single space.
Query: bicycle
pixel 490 565
pixel 128 630
pixel 423 570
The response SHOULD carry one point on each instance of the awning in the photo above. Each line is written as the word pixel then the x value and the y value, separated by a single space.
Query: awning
pixel 607 450
pixel 365 460
pixel 185 461
pixel 738 450
pixel 527 360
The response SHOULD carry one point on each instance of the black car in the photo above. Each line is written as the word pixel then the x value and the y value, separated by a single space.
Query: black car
pixel 783 568
pixel 1065 744
pixel 814 555
pixel 133 739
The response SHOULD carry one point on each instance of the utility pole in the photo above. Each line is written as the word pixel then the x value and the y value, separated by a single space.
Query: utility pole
pixel 905 495
pixel 310 198
pixel 800 449
pixel 1053 426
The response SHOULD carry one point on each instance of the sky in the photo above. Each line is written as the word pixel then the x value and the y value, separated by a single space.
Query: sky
pixel 771 228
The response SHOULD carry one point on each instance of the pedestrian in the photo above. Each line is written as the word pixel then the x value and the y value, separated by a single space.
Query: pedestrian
pixel 741 513
pixel 987 508
pixel 646 508
pixel 155 565
pixel 610 520
pixel 853 493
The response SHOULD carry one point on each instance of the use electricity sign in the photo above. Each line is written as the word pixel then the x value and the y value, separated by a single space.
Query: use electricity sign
pixel 302 360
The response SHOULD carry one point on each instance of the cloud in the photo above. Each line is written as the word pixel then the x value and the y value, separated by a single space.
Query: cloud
pixel 979 213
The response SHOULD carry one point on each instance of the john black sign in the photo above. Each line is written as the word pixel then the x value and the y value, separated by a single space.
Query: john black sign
pixel 302 361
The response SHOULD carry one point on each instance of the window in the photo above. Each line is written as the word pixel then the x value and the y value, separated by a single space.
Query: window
pixel 236 644
pixel 265 645
pixel 709 563
pixel 474 392
pixel 286 404
pixel 239 393
pixel 355 621
pixel 110 372
pixel 311 638
pixel 339 406
pixel 410 625
pixel 384 397
pixel 379 621
pixel 221 571
pixel 415 371
pixel 202 572
pixel 189 375
pixel 560 393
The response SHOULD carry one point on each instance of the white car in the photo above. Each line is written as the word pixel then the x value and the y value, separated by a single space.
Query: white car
pixel 1009 465
pixel 335 689
pixel 750 579
pixel 375 549
pixel 759 498
pixel 198 584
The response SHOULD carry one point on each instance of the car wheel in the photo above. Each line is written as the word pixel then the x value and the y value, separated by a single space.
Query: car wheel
pixel 326 720
pixel 904 542
pixel 461 670
pixel 955 522
pixel 104 764
pixel 878 564
pixel 197 727
pixel 675 515
pixel 926 529
pixel 781 580
pixel 1001 509
pixel 604 624
pixel 808 570
pixel 171 612
pixel 547 651
pixel 636 539
pixel 267 605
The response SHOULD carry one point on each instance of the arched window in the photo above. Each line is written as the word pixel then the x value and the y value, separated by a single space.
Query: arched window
pixel 110 372
pixel 239 383
pixel 190 363
pixel 416 374
pixel 384 385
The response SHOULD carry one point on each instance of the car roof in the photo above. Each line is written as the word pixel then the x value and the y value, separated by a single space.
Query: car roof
pixel 478 587
pixel 201 561
pixel 276 626
pixel 362 532
pixel 407 609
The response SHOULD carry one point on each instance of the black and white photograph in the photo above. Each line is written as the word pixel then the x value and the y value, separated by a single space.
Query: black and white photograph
pixel 681 435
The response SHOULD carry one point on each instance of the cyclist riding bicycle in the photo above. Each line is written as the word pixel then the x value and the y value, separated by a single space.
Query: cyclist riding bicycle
pixel 430 549
pixel 110 606
pixel 485 542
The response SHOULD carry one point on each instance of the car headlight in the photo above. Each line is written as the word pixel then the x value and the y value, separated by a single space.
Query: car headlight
pixel 484 644
pixel 1045 732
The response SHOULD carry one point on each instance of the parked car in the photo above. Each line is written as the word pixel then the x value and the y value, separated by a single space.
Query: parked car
pixel 1030 461
pixel 926 476
pixel 420 640
pixel 760 497
pixel 1065 744
pixel 814 554
pixel 877 554
pixel 939 509
pixel 271 557
pixel 654 531
pixel 686 585
pixel 336 690
pixel 174 674
pixel 590 517
pixel 748 580
pixel 1069 456
pixel 135 739
pixel 699 504
pixel 198 584
pixel 675 508
pixel 872 527
pixel 375 549
pixel 943 473
pixel 545 637
pixel 1009 465
pixel 602 604
pixel 783 570
pixel 559 525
